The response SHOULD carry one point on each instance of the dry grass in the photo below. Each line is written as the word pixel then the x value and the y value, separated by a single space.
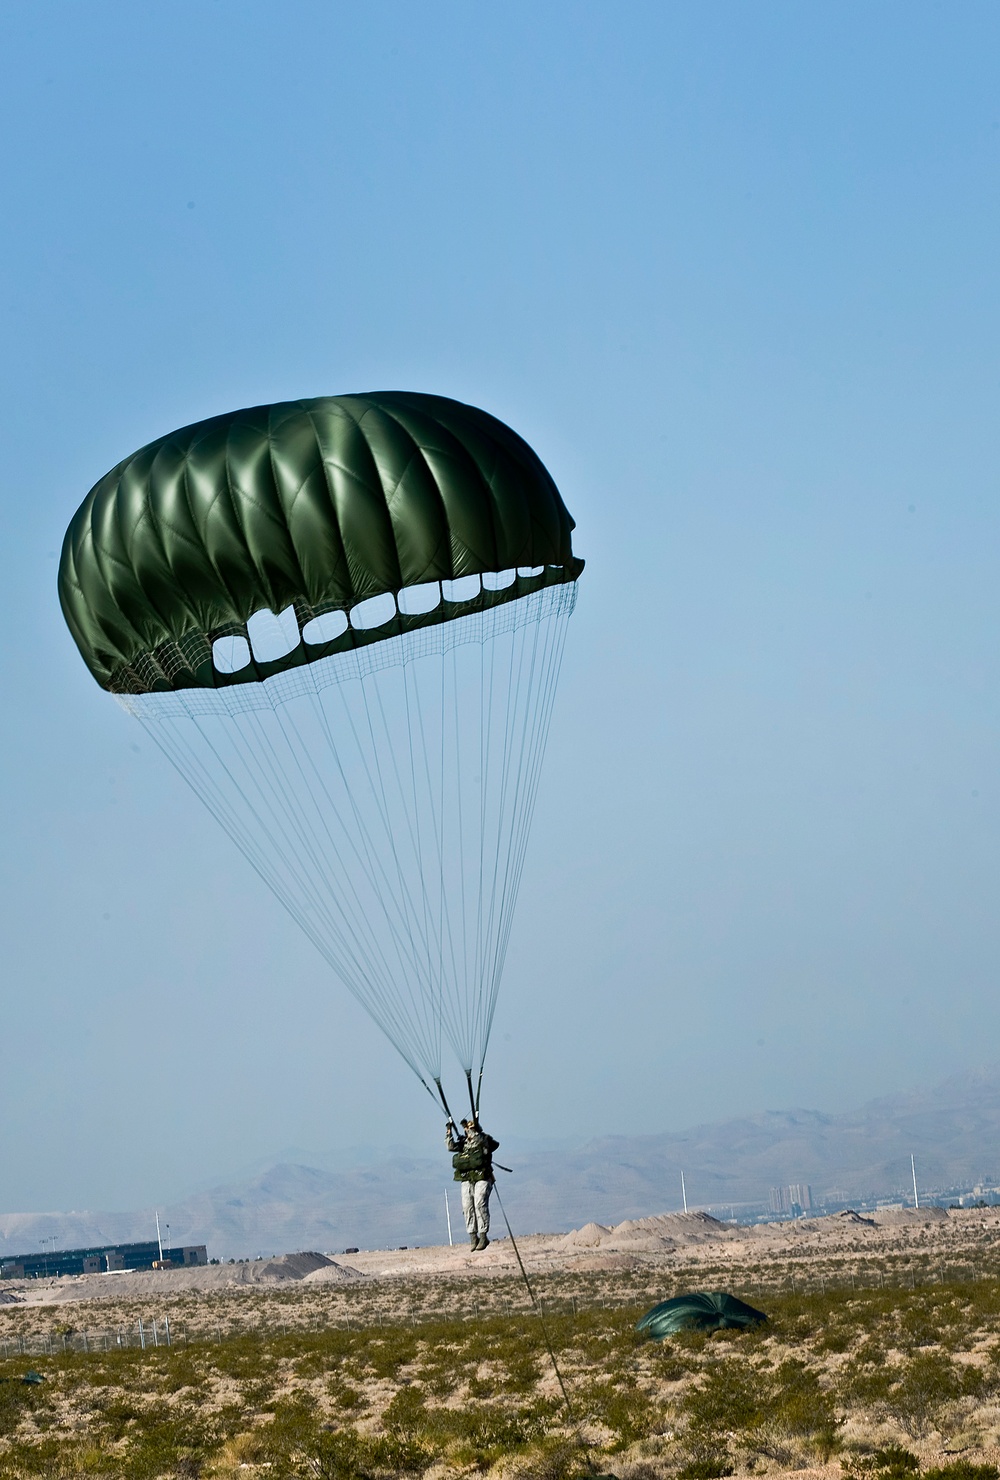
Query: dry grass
pixel 880 1362
pixel 879 1382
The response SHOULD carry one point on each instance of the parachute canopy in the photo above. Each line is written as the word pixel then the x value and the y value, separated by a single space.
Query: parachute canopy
pixel 701 1311
pixel 342 620
pixel 318 505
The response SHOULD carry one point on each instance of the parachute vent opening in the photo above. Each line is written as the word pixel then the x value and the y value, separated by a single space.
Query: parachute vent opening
pixel 530 570
pixel 463 588
pixel 414 601
pixel 325 628
pixel 273 635
pixel 374 612
pixel 230 654
pixel 498 580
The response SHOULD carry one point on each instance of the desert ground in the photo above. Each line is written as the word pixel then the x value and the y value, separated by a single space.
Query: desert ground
pixel 880 1358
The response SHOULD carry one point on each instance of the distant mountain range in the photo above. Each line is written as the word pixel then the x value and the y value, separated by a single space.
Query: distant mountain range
pixel 953 1129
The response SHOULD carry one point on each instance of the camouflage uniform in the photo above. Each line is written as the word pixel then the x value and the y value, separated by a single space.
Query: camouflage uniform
pixel 473 1163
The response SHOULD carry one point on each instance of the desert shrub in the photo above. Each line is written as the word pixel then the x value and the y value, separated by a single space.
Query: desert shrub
pixel 891 1463
pixel 549 1459
pixel 961 1469
pixel 296 1445
pixel 796 1404
pixel 344 1394
pixel 865 1383
pixel 627 1412
pixel 387 1353
pixel 406 1413
pixel 730 1395
pixel 520 1371
pixel 919 1326
pixel 708 1467
pixel 16 1399
pixel 834 1338
pixel 758 1404
pixel 481 1435
pixel 928 1380
pixel 347 1455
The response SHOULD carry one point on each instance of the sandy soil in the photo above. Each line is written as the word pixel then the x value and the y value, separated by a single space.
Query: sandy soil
pixel 960 1239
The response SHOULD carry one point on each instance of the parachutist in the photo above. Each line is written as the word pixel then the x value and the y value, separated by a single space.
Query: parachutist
pixel 473 1162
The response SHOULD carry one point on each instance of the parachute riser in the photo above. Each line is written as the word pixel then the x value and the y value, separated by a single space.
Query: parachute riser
pixel 444 1102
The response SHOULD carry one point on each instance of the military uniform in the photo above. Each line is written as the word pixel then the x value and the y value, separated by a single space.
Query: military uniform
pixel 473 1162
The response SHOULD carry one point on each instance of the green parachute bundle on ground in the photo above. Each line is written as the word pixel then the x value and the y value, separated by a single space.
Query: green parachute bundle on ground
pixel 342 619
pixel 701 1311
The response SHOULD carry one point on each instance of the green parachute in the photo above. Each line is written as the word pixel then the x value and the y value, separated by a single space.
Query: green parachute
pixel 342 619
pixel 700 1311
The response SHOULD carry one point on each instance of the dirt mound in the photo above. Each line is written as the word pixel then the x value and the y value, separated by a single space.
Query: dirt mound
pixel 144 1284
pixel 900 1217
pixel 287 1267
pixel 332 1273
pixel 587 1237
pixel 648 1235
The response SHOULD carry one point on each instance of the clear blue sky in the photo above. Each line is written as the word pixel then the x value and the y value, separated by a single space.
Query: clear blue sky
pixel 732 269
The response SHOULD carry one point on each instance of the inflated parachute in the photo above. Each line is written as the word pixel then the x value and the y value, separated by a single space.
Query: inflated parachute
pixel 342 619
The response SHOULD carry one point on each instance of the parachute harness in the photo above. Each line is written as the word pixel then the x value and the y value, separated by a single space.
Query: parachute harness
pixel 385 794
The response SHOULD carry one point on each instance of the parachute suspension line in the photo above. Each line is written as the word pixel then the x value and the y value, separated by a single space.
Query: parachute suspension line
pixel 418 999
pixel 361 786
pixel 291 891
pixel 434 980
pixel 403 943
pixel 553 665
pixel 574 1423
pixel 442 825
pixel 526 681
pixel 509 722
pixel 286 801
pixel 540 740
pixel 461 857
pixel 536 721
pixel 402 936
pixel 434 865
pixel 377 783
pixel 375 974
pixel 436 860
pixel 483 793
pixel 185 759
pixel 510 718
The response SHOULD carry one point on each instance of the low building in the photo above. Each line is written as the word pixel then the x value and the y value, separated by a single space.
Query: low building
pixel 97 1260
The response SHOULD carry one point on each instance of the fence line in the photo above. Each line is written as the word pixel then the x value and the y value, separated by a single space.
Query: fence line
pixel 146 1334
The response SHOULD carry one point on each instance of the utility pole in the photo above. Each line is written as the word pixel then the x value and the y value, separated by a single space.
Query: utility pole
pixel 158 1238
pixel 684 1196
pixel 913 1169
pixel 447 1213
